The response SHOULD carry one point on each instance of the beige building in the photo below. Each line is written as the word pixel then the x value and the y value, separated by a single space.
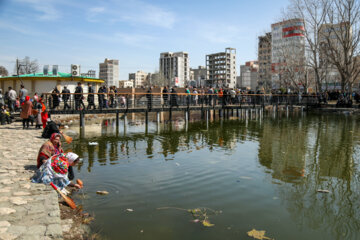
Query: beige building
pixel 198 76
pixel 45 83
pixel 175 68
pixel 126 84
pixel 249 75
pixel 140 79
pixel 221 68
pixel 287 49
pixel 264 59
pixel 109 72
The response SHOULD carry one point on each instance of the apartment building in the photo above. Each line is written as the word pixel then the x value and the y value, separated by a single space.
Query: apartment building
pixel 332 32
pixel 140 79
pixel 287 48
pixel 222 68
pixel 174 67
pixel 126 84
pixel 249 75
pixel 109 72
pixel 264 59
pixel 198 76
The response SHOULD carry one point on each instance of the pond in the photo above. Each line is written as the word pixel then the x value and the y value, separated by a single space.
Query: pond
pixel 244 174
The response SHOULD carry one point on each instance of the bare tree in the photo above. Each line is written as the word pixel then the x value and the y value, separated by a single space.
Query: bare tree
pixel 293 71
pixel 313 12
pixel 3 72
pixel 341 37
pixel 27 66
pixel 158 79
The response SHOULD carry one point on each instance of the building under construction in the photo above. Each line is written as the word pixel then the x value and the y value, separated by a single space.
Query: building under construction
pixel 222 68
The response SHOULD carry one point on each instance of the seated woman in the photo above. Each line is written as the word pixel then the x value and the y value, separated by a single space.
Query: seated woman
pixel 49 148
pixel 55 170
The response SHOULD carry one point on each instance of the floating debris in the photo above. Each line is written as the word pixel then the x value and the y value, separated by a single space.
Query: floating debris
pixel 199 214
pixel 245 177
pixel 177 164
pixel 258 234
pixel 102 192
pixel 323 191
pixel 129 210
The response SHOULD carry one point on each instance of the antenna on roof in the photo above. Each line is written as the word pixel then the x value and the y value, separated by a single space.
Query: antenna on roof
pixel 46 70
pixel 55 70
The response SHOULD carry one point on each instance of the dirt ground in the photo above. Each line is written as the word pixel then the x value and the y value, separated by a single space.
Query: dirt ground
pixel 76 222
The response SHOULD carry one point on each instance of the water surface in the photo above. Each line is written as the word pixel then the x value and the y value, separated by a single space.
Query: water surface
pixel 262 173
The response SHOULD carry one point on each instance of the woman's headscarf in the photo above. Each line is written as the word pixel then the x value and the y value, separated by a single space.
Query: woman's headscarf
pixel 71 157
pixel 27 98
pixel 54 135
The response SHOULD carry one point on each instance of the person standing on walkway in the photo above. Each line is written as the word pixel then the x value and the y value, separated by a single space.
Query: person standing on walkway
pixel 26 112
pixel 90 97
pixel 22 94
pixel 149 98
pixel 11 99
pixel 100 97
pixel 79 97
pixel 165 95
pixel 55 98
pixel 173 98
pixel 65 94
pixel 2 102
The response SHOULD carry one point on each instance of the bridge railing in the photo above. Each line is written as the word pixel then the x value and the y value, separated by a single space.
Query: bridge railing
pixel 88 101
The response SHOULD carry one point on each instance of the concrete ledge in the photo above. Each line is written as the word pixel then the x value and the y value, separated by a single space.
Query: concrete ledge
pixel 27 210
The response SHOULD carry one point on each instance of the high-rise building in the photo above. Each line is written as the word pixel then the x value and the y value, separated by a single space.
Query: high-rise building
pixel 264 59
pixel 249 75
pixel 287 48
pixel 175 68
pixel 109 72
pixel 222 68
pixel 198 75
pixel 140 78
pixel 329 35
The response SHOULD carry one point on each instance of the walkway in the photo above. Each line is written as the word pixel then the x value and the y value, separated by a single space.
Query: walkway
pixel 27 210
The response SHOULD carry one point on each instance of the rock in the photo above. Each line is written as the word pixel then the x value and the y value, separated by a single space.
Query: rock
pixel 6 181
pixel 4 199
pixel 102 192
pixel 4 190
pixel 21 193
pixel 54 230
pixel 4 224
pixel 6 211
pixel 7 236
pixel 18 201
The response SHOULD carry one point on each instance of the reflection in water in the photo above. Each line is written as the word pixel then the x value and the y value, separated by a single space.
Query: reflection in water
pixel 299 154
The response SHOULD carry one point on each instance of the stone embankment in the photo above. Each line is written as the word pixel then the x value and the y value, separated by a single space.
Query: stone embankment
pixel 27 210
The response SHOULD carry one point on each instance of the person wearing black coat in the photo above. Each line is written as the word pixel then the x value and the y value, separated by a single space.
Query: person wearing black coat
pixel 173 98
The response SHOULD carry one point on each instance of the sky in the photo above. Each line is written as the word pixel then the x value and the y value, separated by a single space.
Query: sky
pixel 85 32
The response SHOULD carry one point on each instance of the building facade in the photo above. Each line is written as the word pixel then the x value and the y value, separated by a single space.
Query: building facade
pixel 328 37
pixel 287 50
pixel 221 68
pixel 198 76
pixel 264 59
pixel 109 72
pixel 140 79
pixel 126 84
pixel 249 75
pixel 175 68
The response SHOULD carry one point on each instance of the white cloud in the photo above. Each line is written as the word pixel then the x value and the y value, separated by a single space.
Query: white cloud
pixel 46 9
pixel 218 33
pixel 151 15
pixel 134 12
pixel 93 13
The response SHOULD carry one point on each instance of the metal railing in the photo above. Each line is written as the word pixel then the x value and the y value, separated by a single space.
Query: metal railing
pixel 89 101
